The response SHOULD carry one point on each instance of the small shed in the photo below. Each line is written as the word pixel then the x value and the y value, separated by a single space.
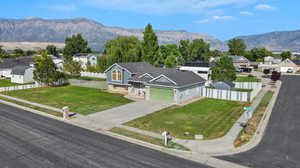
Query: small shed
pixel 223 85
pixel 22 74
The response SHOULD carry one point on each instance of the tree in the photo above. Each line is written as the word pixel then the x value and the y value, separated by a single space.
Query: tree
pixel 237 46
pixel 46 72
pixel 259 54
pixel 224 70
pixel 74 45
pixel 2 52
pixel 199 50
pixel 30 52
pixel 170 62
pixel 52 50
pixel 184 49
pixel 286 55
pixel 102 63
pixel 123 49
pixel 18 52
pixel 150 45
pixel 72 67
pixel 170 50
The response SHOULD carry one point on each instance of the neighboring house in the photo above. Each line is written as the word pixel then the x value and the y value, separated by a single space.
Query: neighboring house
pixel 223 85
pixel 59 62
pixel 270 63
pixel 22 74
pixel 7 64
pixel 239 61
pixel 288 65
pixel 84 58
pixel 203 69
pixel 142 80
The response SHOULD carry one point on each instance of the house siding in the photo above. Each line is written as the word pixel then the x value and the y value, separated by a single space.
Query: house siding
pixel 125 76
pixel 187 93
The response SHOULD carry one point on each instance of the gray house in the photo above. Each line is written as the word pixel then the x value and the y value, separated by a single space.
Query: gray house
pixel 142 80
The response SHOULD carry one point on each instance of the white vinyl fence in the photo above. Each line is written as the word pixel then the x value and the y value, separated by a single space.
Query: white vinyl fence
pixel 234 95
pixel 20 87
pixel 93 75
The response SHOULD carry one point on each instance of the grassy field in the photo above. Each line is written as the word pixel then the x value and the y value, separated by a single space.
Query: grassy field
pixel 209 117
pixel 32 107
pixel 6 83
pixel 247 79
pixel 148 139
pixel 247 133
pixel 80 100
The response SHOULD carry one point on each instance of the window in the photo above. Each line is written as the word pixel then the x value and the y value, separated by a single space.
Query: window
pixel 116 75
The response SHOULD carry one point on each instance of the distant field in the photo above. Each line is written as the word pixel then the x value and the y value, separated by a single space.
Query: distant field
pixel 28 45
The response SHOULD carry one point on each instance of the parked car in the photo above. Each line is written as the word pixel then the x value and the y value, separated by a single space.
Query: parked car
pixel 290 70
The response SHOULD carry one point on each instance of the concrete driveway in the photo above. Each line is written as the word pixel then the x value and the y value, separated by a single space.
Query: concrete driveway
pixel 108 119
pixel 280 147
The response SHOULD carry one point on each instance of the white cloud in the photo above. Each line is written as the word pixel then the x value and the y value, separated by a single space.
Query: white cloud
pixel 216 18
pixel 246 13
pixel 64 8
pixel 264 7
pixel 163 7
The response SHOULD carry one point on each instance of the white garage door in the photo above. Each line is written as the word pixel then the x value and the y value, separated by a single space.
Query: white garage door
pixel 285 69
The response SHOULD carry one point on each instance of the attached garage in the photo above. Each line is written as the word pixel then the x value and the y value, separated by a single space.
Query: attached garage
pixel 285 69
pixel 162 94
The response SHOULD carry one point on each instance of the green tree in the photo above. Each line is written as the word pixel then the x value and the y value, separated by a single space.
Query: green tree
pixel 286 55
pixel 46 72
pixel 150 45
pixel 237 46
pixel 170 50
pixel 30 52
pixel 18 52
pixel 72 67
pixel 123 49
pixel 102 63
pixel 52 50
pixel 2 52
pixel 184 49
pixel 171 62
pixel 259 54
pixel 199 50
pixel 224 70
pixel 74 45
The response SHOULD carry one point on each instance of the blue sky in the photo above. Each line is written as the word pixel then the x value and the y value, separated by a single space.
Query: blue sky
pixel 223 19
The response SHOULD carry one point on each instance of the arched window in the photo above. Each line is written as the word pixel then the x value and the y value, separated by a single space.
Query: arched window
pixel 116 75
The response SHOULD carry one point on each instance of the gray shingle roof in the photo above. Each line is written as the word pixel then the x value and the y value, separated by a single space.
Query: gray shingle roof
pixel 19 70
pixel 297 62
pixel 238 59
pixel 181 78
pixel 9 63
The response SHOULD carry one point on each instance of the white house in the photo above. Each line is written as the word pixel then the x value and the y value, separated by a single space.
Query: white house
pixel 59 62
pixel 7 64
pixel 202 69
pixel 22 74
pixel 84 58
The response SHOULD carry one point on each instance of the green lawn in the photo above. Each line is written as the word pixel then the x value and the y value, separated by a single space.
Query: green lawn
pixel 148 139
pixel 247 79
pixel 6 83
pixel 209 117
pixel 243 90
pixel 80 100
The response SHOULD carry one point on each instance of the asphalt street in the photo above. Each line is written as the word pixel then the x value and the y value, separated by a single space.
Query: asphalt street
pixel 28 140
pixel 280 147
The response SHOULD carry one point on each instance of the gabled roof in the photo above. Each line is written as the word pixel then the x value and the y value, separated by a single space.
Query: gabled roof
pixel 238 59
pixel 19 70
pixel 9 63
pixel 297 62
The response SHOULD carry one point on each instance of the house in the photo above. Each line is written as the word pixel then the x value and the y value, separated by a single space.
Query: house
pixel 22 74
pixel 142 80
pixel 239 61
pixel 288 65
pixel 7 64
pixel 203 69
pixel 84 58
pixel 59 62
pixel 223 85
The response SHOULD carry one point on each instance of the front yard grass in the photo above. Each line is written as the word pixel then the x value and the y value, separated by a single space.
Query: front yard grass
pixel 148 139
pixel 80 99
pixel 247 79
pixel 211 118
pixel 247 133
pixel 6 83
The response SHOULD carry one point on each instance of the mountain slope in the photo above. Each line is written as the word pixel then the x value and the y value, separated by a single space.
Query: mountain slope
pixel 55 31
pixel 275 41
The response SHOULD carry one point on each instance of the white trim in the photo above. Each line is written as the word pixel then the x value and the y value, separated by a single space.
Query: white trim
pixel 117 75
pixel 162 75
pixel 119 66
pixel 146 74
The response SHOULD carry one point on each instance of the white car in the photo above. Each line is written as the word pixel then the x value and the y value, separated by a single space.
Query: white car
pixel 290 70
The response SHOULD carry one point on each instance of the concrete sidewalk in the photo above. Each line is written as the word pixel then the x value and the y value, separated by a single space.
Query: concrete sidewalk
pixel 108 119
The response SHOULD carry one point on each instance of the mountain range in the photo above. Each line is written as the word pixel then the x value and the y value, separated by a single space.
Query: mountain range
pixel 37 30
